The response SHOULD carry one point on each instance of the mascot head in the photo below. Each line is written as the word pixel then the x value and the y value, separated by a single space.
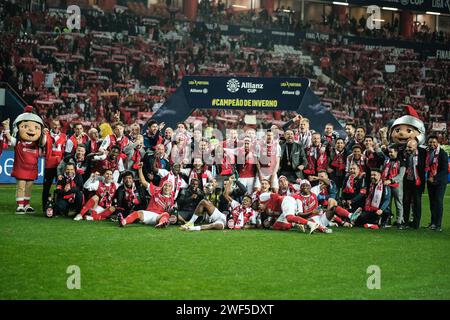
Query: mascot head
pixel 28 126
pixel 407 127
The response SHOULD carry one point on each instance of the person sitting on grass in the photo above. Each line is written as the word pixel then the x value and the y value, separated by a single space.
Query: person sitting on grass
pixel 68 191
pixel 131 195
pixel 214 218
pixel 99 206
pixel 161 202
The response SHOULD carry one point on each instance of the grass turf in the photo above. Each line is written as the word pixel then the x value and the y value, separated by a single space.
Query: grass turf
pixel 141 262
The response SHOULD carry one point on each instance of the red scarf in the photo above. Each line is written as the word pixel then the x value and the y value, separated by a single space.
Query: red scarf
pixel 374 198
pixel 136 158
pixel 390 171
pixel 131 197
pixel 338 161
pixel 433 166
pixel 350 185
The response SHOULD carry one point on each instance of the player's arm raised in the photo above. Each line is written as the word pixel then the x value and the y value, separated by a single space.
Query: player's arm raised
pixel 141 176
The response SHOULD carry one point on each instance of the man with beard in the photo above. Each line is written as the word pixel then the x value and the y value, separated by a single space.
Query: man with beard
pixel 168 134
pixel 356 157
pixel 153 136
pixel 135 131
pixel 374 157
pixel 293 159
pixel 358 140
pixel 130 196
pixel 304 137
pixel 376 209
pixel 68 191
pixel 329 135
pixel 173 176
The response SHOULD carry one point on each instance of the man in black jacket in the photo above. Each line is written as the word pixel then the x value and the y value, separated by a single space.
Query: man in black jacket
pixel 130 196
pixel 436 166
pixel 414 182
pixel 188 200
pixel 69 191
pixel 293 158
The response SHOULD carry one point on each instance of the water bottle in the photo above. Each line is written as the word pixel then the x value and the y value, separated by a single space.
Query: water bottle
pixel 49 210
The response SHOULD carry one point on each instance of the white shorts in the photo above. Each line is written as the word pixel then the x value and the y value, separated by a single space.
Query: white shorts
pixel 321 219
pixel 249 183
pixel 218 217
pixel 150 217
pixel 272 185
pixel 99 209
pixel 288 208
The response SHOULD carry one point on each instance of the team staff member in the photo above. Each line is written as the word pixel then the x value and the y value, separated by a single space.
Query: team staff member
pixel 436 166
pixel 54 152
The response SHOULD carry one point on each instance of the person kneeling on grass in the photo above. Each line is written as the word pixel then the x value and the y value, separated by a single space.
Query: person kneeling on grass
pixel 99 206
pixel 161 202
pixel 215 219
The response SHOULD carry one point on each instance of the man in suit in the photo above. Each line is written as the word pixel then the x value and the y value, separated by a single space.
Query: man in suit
pixel 436 166
pixel 293 158
pixel 414 182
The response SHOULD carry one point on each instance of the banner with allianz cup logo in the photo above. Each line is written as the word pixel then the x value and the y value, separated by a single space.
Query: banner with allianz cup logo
pixel 6 166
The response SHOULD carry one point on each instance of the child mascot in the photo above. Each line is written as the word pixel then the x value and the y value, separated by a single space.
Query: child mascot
pixel 27 138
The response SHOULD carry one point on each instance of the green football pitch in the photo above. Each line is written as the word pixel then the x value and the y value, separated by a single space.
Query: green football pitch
pixel 141 262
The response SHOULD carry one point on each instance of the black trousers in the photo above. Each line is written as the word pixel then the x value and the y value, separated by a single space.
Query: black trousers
pixel 412 197
pixel 372 218
pixel 436 194
pixel 62 206
pixel 49 177
pixel 339 181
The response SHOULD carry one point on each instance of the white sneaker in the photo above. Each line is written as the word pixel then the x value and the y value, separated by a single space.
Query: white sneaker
pixel 20 210
pixel 327 230
pixel 78 217
pixel 313 227
pixel 301 228
pixel 88 218
pixel 29 209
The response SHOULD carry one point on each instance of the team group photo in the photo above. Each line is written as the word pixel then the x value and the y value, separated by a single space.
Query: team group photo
pixel 224 150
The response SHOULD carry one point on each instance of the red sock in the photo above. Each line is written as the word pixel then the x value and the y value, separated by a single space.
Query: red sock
pixel 164 218
pixel 132 217
pixel 105 214
pixel 342 212
pixel 282 226
pixel 26 201
pixel 296 219
pixel 338 220
pixel 95 215
pixel 87 206
pixel 20 202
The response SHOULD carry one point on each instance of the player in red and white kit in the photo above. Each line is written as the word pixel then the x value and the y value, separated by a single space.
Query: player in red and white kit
pixel 285 209
pixel 161 202
pixel 322 216
pixel 99 205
